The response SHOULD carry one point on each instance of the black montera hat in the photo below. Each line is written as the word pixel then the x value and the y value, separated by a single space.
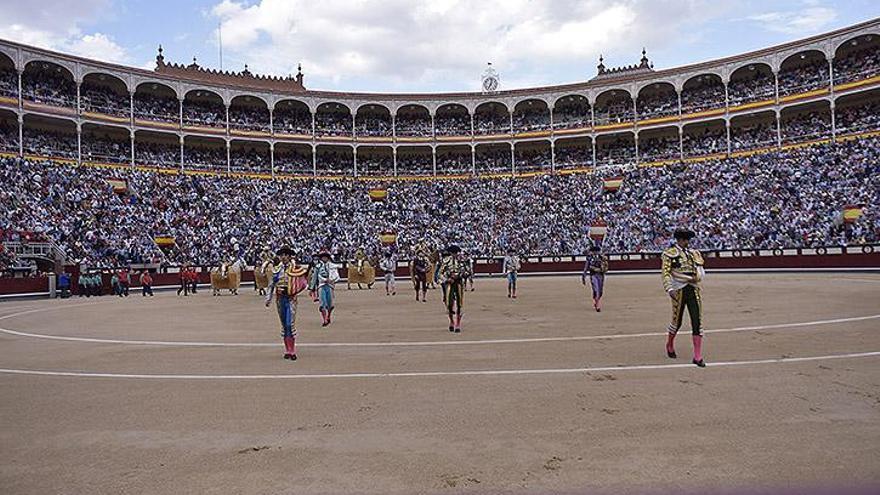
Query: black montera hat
pixel 453 249
pixel 285 250
pixel 684 234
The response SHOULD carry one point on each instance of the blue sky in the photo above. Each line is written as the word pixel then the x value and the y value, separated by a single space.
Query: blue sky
pixel 407 45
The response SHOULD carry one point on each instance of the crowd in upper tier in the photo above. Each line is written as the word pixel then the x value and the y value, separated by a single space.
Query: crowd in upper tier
pixel 805 124
pixel 49 84
pixel 771 200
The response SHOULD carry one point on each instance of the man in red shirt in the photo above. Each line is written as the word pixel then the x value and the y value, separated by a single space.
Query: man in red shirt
pixel 184 280
pixel 146 284
pixel 124 282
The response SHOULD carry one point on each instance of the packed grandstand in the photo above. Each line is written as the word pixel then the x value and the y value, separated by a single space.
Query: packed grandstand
pixel 766 150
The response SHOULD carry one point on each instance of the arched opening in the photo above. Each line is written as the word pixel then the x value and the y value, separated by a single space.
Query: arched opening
pixel 47 83
pixel 571 112
pixel 293 159
pixel 493 158
pixel 802 72
pixel 414 160
pixel 702 92
pixel 704 138
pixel 858 112
pixel 454 160
pixel 531 115
pixel 202 153
pixel 751 83
pixel 413 121
pixel 103 93
pixel 659 144
pixel 533 156
pixel 573 153
pixel 801 123
pixel 753 131
pixel 156 102
pixel 857 59
pixel 452 119
pixel 373 121
pixel 614 106
pixel 204 108
pixel 48 137
pixel 374 160
pixel 250 157
pixel 249 113
pixel 335 160
pixel 657 100
pixel 8 132
pixel 105 144
pixel 615 149
pixel 491 118
pixel 333 119
pixel 292 117
pixel 157 149
pixel 8 78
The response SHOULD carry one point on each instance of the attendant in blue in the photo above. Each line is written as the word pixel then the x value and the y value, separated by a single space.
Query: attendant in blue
pixel 511 267
pixel 596 267
pixel 323 281
pixel 288 280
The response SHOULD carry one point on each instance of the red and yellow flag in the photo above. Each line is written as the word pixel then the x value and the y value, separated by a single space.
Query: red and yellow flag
pixel 388 237
pixel 378 194
pixel 612 184
pixel 120 186
pixel 598 230
pixel 851 213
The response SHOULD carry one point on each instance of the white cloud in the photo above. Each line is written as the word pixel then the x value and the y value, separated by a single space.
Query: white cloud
pixel 401 44
pixel 800 22
pixel 56 25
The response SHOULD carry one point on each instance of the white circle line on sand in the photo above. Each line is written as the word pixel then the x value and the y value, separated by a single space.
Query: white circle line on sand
pixel 422 343
pixel 417 374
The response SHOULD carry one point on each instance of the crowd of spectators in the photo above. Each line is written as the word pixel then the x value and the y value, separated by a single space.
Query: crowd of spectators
pixel 49 87
pixel 157 108
pixel 373 126
pixel 705 141
pixel 802 78
pixel 206 113
pixel 861 63
pixel 333 124
pixel 8 82
pixel 805 126
pixel 755 85
pixel 705 94
pixel 614 111
pixel 531 118
pixel 772 200
pixel 98 98
pixel 249 118
pixel 659 104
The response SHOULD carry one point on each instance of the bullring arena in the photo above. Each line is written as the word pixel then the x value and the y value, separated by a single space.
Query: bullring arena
pixel 541 393
pixel 742 191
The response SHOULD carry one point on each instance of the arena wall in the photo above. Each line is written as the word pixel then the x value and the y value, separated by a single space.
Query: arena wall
pixel 806 259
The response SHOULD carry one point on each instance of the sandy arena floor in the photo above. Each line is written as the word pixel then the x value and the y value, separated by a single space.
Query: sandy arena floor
pixel 537 395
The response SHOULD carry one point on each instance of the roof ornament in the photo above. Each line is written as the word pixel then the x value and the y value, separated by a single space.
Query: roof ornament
pixel 160 59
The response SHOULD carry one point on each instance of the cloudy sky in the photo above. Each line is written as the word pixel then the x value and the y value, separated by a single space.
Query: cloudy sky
pixel 420 46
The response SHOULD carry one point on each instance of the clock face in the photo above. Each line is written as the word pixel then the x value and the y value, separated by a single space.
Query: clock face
pixel 490 84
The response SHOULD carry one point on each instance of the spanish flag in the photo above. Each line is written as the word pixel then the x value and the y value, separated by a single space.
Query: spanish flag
pixel 612 184
pixel 378 194
pixel 388 237
pixel 598 230
pixel 120 186
pixel 164 240
pixel 851 213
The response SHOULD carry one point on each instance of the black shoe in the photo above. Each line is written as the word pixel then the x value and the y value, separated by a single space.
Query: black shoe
pixel 292 357
pixel 451 328
pixel 287 356
pixel 457 330
pixel 671 354
pixel 700 363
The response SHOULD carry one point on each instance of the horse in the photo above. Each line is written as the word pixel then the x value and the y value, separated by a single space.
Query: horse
pixel 226 276
pixel 263 276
